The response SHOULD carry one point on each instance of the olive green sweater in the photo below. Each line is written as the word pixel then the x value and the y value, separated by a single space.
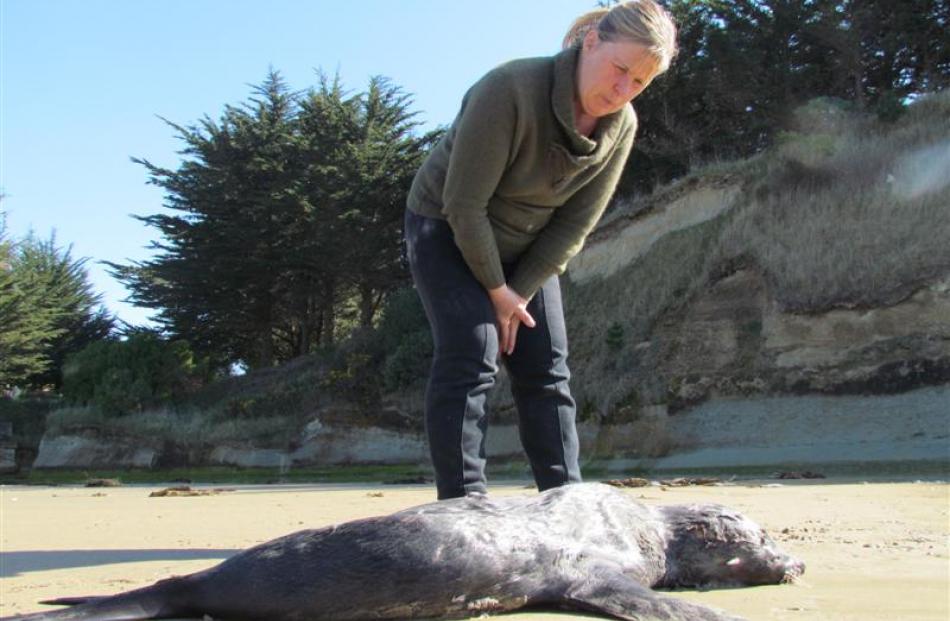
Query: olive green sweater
pixel 514 178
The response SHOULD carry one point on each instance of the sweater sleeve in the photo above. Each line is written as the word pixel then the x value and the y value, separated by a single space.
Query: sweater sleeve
pixel 482 144
pixel 563 237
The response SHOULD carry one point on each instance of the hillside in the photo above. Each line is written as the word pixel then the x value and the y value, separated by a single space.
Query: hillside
pixel 821 266
pixel 789 308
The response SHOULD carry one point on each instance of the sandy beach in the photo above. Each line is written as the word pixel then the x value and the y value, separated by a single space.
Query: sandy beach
pixel 874 551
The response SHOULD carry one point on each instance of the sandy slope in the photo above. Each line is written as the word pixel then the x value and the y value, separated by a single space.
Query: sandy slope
pixel 874 551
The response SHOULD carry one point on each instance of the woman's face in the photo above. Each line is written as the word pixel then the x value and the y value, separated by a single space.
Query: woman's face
pixel 611 73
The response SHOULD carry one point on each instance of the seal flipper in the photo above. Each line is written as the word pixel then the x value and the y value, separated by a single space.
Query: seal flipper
pixel 613 593
pixel 158 601
pixel 72 601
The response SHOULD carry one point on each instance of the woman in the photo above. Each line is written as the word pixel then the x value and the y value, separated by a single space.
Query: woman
pixel 498 208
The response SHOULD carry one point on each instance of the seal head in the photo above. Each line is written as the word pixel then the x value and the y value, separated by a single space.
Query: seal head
pixel 715 546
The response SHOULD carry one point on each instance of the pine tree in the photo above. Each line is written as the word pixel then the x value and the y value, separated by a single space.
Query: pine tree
pixel 387 156
pixel 26 325
pixel 214 283
pixel 289 221
pixel 64 294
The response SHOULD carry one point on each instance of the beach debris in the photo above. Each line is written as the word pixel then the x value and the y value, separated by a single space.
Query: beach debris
pixel 374 494
pixel 677 482
pixel 103 483
pixel 185 490
pixel 806 474
pixel 628 482
pixel 685 481
pixel 419 480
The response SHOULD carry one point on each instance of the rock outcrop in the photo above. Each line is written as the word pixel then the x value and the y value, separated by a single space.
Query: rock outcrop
pixel 733 340
pixel 89 449
pixel 615 245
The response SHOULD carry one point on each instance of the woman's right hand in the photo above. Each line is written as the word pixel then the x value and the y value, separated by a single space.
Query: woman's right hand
pixel 511 310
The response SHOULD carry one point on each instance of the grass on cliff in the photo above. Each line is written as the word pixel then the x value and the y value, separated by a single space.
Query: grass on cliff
pixel 852 212
pixel 856 214
pixel 610 319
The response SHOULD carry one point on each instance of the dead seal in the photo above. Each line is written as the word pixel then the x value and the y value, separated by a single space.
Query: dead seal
pixel 586 547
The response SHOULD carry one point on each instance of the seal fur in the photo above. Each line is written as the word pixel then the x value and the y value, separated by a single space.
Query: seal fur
pixel 585 546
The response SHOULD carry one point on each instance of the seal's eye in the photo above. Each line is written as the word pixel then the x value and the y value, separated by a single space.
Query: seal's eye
pixel 734 561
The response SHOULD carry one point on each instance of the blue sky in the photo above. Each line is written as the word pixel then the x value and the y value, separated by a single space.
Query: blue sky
pixel 83 82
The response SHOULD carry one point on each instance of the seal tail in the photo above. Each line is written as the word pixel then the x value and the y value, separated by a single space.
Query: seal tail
pixel 73 601
pixel 152 602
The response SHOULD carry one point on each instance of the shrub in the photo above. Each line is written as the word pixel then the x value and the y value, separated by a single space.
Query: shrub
pixel 615 337
pixel 889 107
pixel 120 377
pixel 409 362
pixel 27 414
pixel 402 316
pixel 406 340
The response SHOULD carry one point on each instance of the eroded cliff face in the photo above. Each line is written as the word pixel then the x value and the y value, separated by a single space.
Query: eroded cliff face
pixel 622 241
pixel 730 337
pixel 727 376
pixel 734 340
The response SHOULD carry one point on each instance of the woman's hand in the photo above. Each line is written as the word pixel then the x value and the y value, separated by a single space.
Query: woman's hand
pixel 510 312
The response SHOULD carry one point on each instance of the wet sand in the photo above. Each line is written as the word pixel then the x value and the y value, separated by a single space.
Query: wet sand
pixel 874 551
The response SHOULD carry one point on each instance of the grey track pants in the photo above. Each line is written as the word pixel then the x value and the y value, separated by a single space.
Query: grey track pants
pixel 463 371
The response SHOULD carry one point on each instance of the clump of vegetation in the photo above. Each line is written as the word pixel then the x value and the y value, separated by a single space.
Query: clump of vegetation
pixel 158 425
pixel 120 377
pixel 614 337
pixel 27 415
pixel 405 337
pixel 630 302
pixel 850 224
pixel 47 311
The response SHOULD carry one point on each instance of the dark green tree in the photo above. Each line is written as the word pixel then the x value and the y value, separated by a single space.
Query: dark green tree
pixel 64 295
pixel 285 229
pixel 214 282
pixel 879 49
pixel 362 153
pixel 387 154
pixel 316 281
pixel 47 311
pixel 745 65
pixel 26 327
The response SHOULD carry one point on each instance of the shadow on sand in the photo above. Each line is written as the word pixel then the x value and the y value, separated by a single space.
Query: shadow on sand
pixel 15 563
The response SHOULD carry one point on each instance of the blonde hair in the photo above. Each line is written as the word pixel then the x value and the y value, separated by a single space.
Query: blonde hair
pixel 580 26
pixel 644 22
